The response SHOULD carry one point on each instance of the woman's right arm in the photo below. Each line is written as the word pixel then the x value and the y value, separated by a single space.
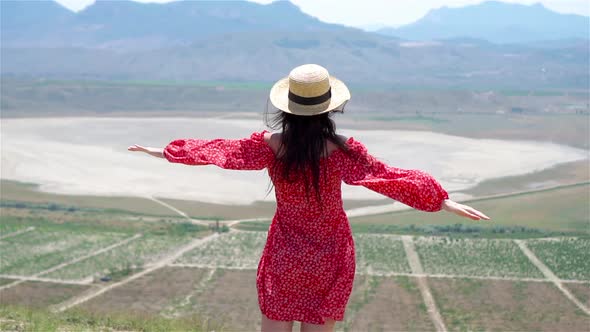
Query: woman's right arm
pixel 156 152
pixel 248 153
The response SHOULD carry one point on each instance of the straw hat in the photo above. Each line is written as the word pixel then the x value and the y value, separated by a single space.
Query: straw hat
pixel 309 90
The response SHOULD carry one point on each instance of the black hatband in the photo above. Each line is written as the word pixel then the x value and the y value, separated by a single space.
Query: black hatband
pixel 312 100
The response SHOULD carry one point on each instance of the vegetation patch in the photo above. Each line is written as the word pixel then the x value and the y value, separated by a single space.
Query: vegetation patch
pixel 234 249
pixel 377 253
pixel 35 251
pixel 123 260
pixel 21 318
pixel 455 230
pixel 257 226
pixel 568 258
pixel 481 257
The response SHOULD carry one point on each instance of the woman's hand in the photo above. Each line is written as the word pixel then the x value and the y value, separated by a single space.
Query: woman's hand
pixel 463 210
pixel 156 152
pixel 136 147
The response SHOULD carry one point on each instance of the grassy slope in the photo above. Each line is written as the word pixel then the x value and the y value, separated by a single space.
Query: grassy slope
pixel 563 209
pixel 19 318
pixel 557 210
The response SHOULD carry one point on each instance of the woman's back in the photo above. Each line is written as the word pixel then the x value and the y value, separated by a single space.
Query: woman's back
pixel 294 199
pixel 274 141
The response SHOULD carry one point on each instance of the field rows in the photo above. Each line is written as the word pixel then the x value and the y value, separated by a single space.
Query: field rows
pixel 216 277
pixel 376 254
pixel 379 254
pixel 568 258
pixel 35 251
pixel 137 253
pixel 488 257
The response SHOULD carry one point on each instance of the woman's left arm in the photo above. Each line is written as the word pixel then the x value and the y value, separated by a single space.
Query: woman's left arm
pixel 156 152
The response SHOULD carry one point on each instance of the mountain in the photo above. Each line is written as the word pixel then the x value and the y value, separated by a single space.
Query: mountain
pixel 246 41
pixel 129 25
pixel 496 22
pixel 22 20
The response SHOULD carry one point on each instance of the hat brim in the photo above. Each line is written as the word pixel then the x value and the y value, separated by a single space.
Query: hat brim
pixel 279 97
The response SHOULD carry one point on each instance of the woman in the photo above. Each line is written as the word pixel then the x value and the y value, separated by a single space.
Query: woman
pixel 307 266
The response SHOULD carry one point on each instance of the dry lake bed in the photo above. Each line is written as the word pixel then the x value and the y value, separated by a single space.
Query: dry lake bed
pixel 89 156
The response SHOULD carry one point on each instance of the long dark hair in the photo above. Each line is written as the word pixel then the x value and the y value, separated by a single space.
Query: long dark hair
pixel 303 143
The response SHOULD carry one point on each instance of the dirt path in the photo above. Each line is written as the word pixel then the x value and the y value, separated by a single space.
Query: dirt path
pixel 416 267
pixel 550 275
pixel 164 261
pixel 28 229
pixel 174 310
pixel 75 260
pixel 193 221
pixel 94 253
pixel 22 278
pixel 231 223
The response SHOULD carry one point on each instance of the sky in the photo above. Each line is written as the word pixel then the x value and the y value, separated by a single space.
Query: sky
pixel 374 13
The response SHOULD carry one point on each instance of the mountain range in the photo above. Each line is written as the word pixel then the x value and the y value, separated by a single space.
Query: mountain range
pixel 495 21
pixel 128 25
pixel 245 41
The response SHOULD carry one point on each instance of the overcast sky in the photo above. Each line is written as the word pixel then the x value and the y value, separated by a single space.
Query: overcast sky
pixel 375 12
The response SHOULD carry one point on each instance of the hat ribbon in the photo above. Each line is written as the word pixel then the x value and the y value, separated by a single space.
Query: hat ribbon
pixel 310 100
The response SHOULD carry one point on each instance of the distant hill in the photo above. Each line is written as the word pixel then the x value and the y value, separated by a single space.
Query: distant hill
pixel 125 25
pixel 495 21
pixel 245 41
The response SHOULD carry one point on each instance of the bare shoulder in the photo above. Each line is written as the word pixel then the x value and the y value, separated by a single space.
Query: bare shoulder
pixel 342 138
pixel 273 140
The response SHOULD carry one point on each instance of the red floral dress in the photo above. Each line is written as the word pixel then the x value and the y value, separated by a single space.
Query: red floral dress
pixel 307 266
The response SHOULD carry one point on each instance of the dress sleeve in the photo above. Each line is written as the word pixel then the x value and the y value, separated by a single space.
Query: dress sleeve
pixel 251 153
pixel 412 187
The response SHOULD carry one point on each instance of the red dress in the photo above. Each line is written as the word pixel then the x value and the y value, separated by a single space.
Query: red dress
pixel 307 266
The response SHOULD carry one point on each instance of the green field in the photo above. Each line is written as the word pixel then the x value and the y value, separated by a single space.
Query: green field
pixel 569 258
pixel 235 249
pixel 32 252
pixel 476 257
pixel 222 295
pixel 132 255
pixel 62 236
pixel 21 318
pixel 377 253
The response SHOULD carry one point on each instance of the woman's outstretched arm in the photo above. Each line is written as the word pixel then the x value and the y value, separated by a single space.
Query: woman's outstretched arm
pixel 412 187
pixel 156 152
pixel 248 153
pixel 463 210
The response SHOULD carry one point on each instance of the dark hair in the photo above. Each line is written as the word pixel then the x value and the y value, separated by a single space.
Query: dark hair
pixel 303 144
